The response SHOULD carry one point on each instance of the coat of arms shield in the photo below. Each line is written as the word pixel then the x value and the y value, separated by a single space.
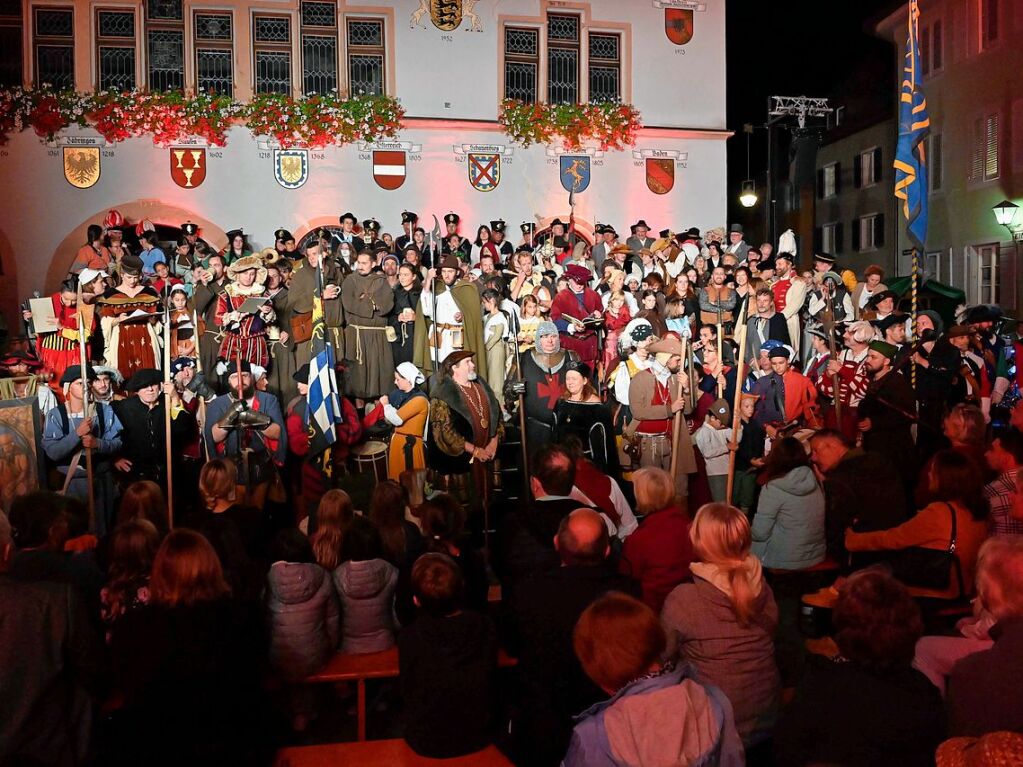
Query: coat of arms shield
pixel 81 165
pixel 291 167
pixel 660 175
pixel 575 172
pixel 188 166
pixel 678 25
pixel 484 170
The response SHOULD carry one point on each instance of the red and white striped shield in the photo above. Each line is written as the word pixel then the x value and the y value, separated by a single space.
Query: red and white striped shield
pixel 389 169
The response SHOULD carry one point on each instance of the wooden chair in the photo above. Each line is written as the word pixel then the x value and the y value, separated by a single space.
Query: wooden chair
pixel 378 665
pixel 392 753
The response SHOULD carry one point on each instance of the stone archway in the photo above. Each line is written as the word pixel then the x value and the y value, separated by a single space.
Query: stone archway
pixel 160 213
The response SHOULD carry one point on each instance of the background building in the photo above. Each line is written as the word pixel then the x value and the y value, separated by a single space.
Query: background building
pixel 450 82
pixel 971 64
pixel 855 208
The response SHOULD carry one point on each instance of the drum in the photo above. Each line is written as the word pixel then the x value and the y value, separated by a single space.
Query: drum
pixel 371 458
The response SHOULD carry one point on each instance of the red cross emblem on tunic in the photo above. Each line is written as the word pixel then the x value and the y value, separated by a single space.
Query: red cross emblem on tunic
pixel 551 389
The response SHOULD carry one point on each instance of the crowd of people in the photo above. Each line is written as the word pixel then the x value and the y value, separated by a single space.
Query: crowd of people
pixel 710 443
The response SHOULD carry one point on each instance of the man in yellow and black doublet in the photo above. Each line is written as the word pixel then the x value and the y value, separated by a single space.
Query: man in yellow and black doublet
pixel 465 429
pixel 367 298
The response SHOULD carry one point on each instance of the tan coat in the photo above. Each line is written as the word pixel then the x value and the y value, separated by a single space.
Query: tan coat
pixel 641 395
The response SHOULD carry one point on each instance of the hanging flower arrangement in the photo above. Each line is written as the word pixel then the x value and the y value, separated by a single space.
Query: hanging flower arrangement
pixel 168 117
pixel 609 124
pixel 317 121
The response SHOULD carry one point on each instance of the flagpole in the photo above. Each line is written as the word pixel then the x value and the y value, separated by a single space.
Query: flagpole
pixel 84 364
pixel 742 330
pixel 199 371
pixel 915 287
pixel 167 408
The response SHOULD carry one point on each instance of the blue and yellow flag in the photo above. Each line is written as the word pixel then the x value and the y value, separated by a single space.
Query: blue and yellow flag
pixel 914 125
pixel 323 405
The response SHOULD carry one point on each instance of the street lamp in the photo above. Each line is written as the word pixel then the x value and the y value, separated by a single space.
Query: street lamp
pixel 1005 213
pixel 748 196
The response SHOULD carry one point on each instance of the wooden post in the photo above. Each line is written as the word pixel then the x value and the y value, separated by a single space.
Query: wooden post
pixel 915 288
pixel 721 356
pixel 679 421
pixel 167 410
pixel 740 329
pixel 84 363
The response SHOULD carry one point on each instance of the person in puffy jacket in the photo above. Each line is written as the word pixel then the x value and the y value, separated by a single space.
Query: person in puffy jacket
pixel 788 528
pixel 365 582
pixel 303 612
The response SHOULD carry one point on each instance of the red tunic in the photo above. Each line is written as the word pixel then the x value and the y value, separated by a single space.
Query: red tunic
pixel 583 343
pixel 780 288
pixel 247 338
pixel 59 350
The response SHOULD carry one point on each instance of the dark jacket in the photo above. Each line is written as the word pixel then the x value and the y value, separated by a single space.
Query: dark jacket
pixel 862 492
pixel 143 437
pixel 526 538
pixel 457 415
pixel 539 620
pixel 984 692
pixel 846 714
pixel 446 671
pixel 190 680
pixel 49 657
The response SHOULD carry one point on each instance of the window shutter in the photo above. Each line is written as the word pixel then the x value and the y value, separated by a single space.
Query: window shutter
pixel 879 230
pixel 856 234
pixel 818 238
pixel 838 238
pixel 857 172
pixel 878 173
pixel 991 164
pixel 820 183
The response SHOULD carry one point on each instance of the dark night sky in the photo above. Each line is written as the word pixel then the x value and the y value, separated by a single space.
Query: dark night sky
pixel 801 48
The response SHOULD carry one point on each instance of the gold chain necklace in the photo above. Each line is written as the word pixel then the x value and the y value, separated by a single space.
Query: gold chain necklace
pixel 476 405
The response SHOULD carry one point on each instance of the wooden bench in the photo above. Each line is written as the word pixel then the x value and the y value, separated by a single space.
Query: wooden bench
pixel 392 753
pixel 345 667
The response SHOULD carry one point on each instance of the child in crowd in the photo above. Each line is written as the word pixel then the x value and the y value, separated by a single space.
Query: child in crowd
pixel 749 455
pixel 447 659
pixel 302 610
pixel 365 582
pixel 712 439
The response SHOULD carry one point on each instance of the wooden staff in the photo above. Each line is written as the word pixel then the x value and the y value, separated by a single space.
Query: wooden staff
pixel 679 422
pixel 167 410
pixel 84 363
pixel 721 356
pixel 830 328
pixel 740 328
pixel 201 415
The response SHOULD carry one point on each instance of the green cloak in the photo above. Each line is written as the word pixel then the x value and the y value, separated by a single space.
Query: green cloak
pixel 467 299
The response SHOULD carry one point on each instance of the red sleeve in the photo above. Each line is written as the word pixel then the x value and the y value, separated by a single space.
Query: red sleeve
pixel 298 435
pixel 223 307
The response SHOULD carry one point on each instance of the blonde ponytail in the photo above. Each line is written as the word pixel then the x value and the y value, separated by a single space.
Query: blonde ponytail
pixel 721 537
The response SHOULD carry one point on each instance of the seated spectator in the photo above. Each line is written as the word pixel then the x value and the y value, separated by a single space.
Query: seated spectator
pixel 984 693
pixel 965 427
pixel 658 554
pixel 657 713
pixel 50 668
pixel 186 667
pixel 446 660
pixel 144 500
pixel 443 521
pixel 42 523
pixel 365 583
pixel 788 528
pixel 867 706
pixel 403 543
pixel 236 531
pixel 303 611
pixel 858 490
pixel 952 484
pixel 724 621
pixel 1005 458
pixel 333 517
pixel 131 550
pixel 540 618
pixel 526 536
